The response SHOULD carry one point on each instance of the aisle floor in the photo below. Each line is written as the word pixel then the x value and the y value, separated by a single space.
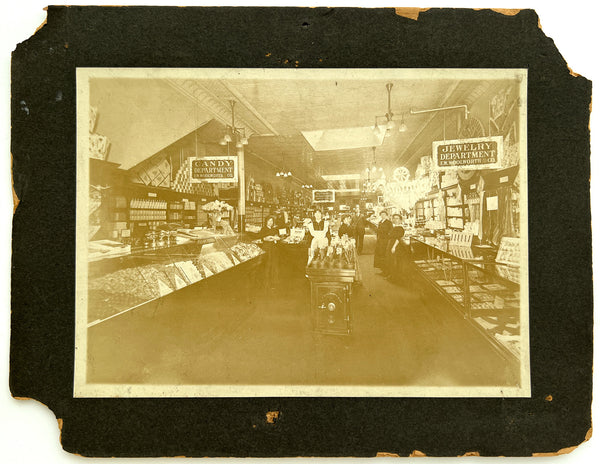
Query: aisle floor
pixel 399 338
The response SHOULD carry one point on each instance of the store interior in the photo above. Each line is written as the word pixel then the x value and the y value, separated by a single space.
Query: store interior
pixel 217 252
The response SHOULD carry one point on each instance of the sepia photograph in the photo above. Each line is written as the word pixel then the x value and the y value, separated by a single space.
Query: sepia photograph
pixel 316 233
pixel 301 232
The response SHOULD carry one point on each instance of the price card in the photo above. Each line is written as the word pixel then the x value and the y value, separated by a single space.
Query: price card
pixel 492 203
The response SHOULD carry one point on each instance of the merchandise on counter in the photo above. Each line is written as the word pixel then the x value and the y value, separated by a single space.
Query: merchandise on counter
pixel 455 222
pixel 494 287
pixel 176 279
pixel 124 281
pixel 154 275
pixel 435 225
pixel 100 249
pixel 509 251
pixel 215 262
pixel 297 234
pixel 482 305
pixel 252 228
pixel 461 239
pixel 189 271
pixel 452 290
pixel 462 252
pixel 246 251
pixel 511 273
pixel 482 296
pixel 163 289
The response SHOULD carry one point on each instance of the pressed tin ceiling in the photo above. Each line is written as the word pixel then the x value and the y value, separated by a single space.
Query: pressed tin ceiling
pixel 276 112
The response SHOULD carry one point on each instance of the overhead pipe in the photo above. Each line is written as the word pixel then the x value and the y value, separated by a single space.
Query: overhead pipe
pixel 445 108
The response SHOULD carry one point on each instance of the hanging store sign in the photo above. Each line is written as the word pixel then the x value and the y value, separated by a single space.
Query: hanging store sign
pixel 477 153
pixel 214 169
pixel 323 196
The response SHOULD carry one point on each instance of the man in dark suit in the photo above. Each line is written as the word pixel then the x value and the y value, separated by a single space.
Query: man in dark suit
pixel 359 223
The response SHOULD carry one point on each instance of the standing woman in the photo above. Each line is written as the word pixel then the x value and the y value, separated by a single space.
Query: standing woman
pixel 270 236
pixel 395 249
pixel 319 225
pixel 383 236
pixel 319 229
pixel 345 227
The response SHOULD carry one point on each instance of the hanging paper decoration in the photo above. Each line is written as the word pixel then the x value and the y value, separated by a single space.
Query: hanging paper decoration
pixel 402 192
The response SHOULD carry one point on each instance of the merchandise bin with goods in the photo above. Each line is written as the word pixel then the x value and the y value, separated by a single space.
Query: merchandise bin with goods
pixel 332 270
pixel 122 278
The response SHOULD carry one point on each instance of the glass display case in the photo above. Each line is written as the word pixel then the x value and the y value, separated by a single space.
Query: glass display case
pixel 132 277
pixel 442 268
pixel 486 292
pixel 493 301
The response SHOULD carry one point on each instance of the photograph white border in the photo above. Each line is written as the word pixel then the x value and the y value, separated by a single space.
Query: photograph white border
pixel 82 389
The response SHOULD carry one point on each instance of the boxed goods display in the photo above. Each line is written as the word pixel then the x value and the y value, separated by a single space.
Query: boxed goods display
pixel 123 289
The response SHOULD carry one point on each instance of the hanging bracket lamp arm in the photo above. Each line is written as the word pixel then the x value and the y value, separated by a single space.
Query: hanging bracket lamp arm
pixel 446 108
pixel 389 114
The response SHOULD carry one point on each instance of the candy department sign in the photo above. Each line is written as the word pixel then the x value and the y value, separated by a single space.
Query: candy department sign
pixel 214 169
pixel 477 153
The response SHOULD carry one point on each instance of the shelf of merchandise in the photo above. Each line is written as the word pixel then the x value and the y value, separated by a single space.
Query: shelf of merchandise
pixel 455 207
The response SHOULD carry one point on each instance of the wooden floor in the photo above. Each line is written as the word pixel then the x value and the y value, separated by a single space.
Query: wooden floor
pixel 238 335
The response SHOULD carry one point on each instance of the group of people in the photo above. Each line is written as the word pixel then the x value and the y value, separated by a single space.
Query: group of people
pixel 354 225
pixel 391 253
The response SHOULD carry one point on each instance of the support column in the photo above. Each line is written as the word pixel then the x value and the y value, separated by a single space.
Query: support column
pixel 242 192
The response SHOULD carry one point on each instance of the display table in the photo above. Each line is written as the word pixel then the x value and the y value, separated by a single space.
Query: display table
pixel 331 296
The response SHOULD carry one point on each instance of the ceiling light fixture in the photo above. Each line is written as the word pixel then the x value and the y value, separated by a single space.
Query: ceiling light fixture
pixel 402 127
pixel 390 124
pixel 234 133
pixel 283 172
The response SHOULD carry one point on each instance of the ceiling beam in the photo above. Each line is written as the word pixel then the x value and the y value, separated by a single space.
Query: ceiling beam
pixel 244 101
pixel 240 121
pixel 205 99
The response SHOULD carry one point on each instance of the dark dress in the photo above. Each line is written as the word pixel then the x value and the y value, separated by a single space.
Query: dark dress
pixel 272 256
pixel 394 260
pixel 361 224
pixel 320 226
pixel 383 235
pixel 346 230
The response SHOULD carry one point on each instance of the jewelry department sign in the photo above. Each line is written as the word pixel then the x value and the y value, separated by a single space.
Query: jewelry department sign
pixel 477 153
pixel 214 169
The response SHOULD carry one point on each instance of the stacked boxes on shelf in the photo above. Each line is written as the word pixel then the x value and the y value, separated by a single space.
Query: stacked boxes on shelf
pixel 118 227
pixel 183 184
pixel 175 211
pixel 141 209
pixel 454 208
